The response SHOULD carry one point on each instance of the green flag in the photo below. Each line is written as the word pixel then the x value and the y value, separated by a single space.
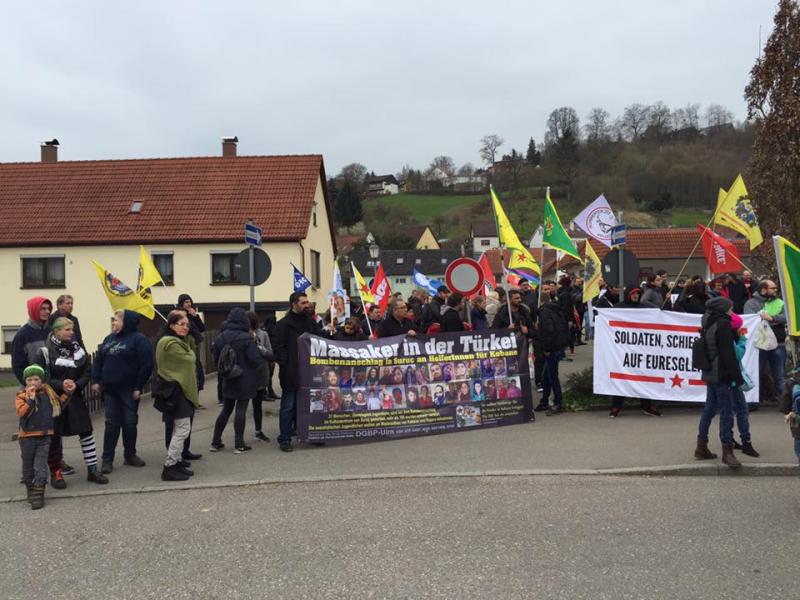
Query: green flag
pixel 555 235
pixel 787 256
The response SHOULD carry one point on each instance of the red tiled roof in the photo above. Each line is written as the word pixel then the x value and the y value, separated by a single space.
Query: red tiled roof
pixel 184 200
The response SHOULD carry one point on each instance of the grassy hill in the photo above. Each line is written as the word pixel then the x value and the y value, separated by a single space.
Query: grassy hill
pixel 424 208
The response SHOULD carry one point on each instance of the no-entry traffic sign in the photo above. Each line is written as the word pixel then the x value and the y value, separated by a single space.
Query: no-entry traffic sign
pixel 465 276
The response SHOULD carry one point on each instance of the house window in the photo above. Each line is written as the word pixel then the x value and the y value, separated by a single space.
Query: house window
pixel 316 279
pixel 486 242
pixel 164 264
pixel 400 280
pixel 314 214
pixel 370 263
pixel 400 260
pixel 418 261
pixel 222 270
pixel 43 271
pixel 8 338
pixel 444 261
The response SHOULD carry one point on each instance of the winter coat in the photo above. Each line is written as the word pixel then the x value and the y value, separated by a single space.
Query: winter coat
pixel 774 307
pixel 479 321
pixel 432 313
pixel 451 320
pixel 553 328
pixel 567 303
pixel 738 295
pixel 125 359
pixel 62 361
pixel 721 350
pixel 391 326
pixel 521 317
pixel 76 326
pixel 652 297
pixel 236 334
pixel 288 329
pixel 265 351
pixel 627 302
pixel 693 304
pixel 341 336
pixel 29 339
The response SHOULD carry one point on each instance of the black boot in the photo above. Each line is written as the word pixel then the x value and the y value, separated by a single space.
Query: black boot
pixel 183 467
pixel 29 488
pixel 173 474
pixel 37 497
pixel 747 448
pixel 95 476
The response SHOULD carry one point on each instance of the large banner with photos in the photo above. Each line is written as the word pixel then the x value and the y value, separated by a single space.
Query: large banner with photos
pixel 647 353
pixel 402 386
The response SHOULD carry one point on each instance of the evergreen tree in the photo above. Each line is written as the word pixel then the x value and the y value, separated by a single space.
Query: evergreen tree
pixel 347 208
pixel 533 157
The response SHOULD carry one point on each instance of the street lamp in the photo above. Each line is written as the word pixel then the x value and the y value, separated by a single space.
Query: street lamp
pixel 374 253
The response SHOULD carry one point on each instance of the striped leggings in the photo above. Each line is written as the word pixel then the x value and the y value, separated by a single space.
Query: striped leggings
pixel 88 447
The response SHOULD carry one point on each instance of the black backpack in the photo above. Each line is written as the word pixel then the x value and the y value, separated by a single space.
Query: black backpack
pixel 700 359
pixel 227 363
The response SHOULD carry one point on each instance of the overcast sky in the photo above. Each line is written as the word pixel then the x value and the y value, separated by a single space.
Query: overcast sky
pixel 382 83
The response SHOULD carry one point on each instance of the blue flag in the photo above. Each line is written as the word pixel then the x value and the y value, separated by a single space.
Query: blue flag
pixel 431 285
pixel 301 282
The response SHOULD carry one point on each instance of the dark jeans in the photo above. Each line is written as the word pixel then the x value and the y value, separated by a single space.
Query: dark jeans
pixel 718 397
pixel 618 401
pixel 56 453
pixel 287 416
pixel 34 452
pixel 270 389
pixel 742 416
pixel 258 412
pixel 238 421
pixel 122 413
pixel 169 426
pixel 538 369
pixel 776 360
pixel 550 380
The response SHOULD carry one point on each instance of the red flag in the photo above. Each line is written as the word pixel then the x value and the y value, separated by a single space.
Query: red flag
pixel 489 282
pixel 381 289
pixel 721 255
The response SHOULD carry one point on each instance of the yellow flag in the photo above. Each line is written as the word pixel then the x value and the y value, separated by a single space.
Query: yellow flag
pixel 367 296
pixel 592 273
pixel 148 274
pixel 120 296
pixel 521 258
pixel 736 212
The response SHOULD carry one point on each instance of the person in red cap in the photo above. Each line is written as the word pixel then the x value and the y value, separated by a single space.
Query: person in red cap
pixel 31 337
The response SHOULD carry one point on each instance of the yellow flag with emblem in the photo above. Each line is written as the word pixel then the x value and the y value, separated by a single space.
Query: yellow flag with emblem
pixel 736 212
pixel 592 273
pixel 521 259
pixel 120 296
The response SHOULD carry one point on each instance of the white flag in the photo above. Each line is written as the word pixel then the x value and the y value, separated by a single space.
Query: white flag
pixel 597 219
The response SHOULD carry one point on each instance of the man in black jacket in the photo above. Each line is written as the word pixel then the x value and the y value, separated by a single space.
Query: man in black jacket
pixel 433 310
pixel 396 322
pixel 64 307
pixel 724 374
pixel 295 323
pixel 451 318
pixel 566 302
pixel 374 318
pixel 554 336
pixel 632 299
pixel 520 315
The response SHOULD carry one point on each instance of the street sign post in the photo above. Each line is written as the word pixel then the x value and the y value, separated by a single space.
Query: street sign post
pixel 620 267
pixel 618 235
pixel 252 237
pixel 465 276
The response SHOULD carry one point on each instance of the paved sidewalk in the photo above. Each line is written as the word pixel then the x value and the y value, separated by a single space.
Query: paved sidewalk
pixel 583 442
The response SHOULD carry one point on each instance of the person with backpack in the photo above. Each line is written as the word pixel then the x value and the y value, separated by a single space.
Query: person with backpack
pixel 554 337
pixel 631 299
pixel 237 358
pixel 721 372
pixel 297 321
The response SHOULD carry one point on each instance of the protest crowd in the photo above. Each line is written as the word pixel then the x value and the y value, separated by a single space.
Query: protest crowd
pixel 549 318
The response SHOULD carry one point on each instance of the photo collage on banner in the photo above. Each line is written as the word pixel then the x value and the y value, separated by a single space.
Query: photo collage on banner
pixel 426 391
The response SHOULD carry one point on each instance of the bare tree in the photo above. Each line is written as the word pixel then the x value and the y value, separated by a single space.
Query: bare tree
pixel 559 122
pixel 445 163
pixel 716 115
pixel 354 173
pixel 597 127
pixel 658 120
pixel 633 121
pixel 466 170
pixel 688 116
pixel 489 146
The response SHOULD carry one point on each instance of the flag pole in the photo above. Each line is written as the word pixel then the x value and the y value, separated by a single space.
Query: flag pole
pixel 686 262
pixel 363 304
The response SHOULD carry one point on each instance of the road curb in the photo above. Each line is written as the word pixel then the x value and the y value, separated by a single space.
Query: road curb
pixel 687 470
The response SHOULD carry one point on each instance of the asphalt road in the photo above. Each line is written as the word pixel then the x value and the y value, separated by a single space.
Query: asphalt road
pixel 516 537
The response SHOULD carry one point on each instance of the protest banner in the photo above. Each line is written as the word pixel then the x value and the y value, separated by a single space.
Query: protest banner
pixel 401 386
pixel 647 353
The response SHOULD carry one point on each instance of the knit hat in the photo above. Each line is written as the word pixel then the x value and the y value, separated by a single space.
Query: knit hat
pixel 33 370
pixel 60 323
pixel 719 304
pixel 736 322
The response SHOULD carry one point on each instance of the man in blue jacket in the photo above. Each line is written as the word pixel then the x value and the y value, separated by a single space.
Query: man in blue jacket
pixel 122 366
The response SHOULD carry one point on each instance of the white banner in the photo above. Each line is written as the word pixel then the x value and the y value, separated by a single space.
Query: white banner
pixel 647 353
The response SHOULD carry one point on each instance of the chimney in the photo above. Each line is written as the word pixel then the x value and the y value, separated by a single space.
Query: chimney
pixel 229 145
pixel 50 151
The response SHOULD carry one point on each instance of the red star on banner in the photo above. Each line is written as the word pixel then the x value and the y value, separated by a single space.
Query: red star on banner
pixel 520 257
pixel 676 381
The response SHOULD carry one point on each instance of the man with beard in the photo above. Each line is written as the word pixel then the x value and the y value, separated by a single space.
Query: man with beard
pixel 298 320
pixel 765 302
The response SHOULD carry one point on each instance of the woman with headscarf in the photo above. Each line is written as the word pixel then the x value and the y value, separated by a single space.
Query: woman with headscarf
pixel 66 365
pixel 175 369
